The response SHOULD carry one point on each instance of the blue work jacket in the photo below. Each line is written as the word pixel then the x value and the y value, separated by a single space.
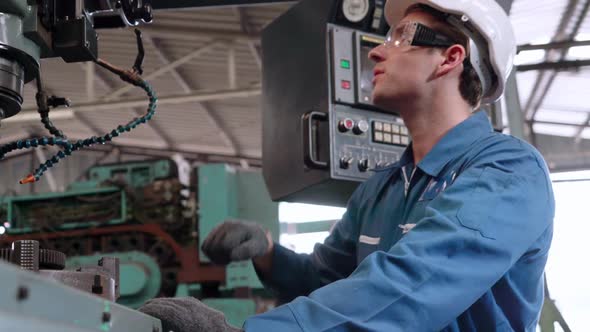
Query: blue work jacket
pixel 460 246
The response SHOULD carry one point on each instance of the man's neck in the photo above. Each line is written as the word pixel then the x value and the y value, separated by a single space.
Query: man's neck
pixel 428 123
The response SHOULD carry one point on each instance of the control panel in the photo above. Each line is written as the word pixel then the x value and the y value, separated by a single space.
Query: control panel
pixel 363 141
pixel 352 70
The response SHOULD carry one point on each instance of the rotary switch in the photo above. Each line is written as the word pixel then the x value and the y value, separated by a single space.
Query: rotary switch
pixel 345 162
pixel 363 165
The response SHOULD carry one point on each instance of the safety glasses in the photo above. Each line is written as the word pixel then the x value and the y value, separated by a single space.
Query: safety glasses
pixel 416 34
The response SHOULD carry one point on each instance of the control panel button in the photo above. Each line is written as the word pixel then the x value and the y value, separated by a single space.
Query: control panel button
pixel 346 85
pixel 405 140
pixel 387 138
pixel 345 162
pixel 387 127
pixel 378 137
pixel 404 130
pixel 361 127
pixel 363 165
pixel 345 64
pixel 345 125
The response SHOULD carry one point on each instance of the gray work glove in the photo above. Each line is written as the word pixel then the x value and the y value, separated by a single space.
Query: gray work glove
pixel 236 241
pixel 186 314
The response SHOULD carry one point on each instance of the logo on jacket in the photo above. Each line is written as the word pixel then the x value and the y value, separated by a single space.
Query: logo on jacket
pixel 436 186
pixel 406 228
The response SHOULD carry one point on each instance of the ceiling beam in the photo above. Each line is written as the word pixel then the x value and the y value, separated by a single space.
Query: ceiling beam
pixel 249 30
pixel 555 65
pixel 505 4
pixel 216 123
pixel 165 69
pixel 90 69
pixel 553 45
pixel 167 4
pixel 545 79
pixel 195 96
pixel 555 123
pixel 196 34
pixel 579 136
pixel 187 154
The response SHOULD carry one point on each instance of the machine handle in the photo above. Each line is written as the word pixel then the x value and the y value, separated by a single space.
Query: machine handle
pixel 310 139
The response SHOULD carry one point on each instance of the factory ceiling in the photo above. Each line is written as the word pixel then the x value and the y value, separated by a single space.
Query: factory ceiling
pixel 205 66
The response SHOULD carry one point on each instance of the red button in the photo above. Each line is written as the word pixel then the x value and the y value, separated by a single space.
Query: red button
pixel 346 85
pixel 349 124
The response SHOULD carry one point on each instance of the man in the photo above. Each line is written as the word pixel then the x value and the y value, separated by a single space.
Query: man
pixel 453 237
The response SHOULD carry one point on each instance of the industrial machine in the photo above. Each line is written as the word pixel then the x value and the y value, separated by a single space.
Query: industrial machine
pixel 33 302
pixel 322 135
pixel 142 215
pixel 35 29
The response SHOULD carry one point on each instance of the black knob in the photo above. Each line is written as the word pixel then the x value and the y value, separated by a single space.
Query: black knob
pixel 345 162
pixel 363 165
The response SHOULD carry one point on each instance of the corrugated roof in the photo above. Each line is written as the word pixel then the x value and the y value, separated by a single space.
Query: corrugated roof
pixel 202 42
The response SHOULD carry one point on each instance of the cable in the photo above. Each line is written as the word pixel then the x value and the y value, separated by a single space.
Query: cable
pixel 80 144
pixel 44 102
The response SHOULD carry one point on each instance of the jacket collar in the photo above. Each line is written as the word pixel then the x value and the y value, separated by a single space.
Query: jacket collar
pixel 452 145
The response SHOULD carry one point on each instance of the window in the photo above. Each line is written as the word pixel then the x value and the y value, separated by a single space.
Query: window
pixel 304 225
pixel 567 270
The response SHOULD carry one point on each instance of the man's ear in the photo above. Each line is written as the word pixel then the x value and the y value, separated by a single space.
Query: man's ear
pixel 452 58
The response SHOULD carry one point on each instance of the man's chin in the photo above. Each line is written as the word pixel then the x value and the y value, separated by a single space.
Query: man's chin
pixel 387 103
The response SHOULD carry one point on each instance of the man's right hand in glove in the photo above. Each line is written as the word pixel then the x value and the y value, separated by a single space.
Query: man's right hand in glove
pixel 236 240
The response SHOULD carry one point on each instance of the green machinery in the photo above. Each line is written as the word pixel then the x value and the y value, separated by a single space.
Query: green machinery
pixel 102 200
pixel 141 213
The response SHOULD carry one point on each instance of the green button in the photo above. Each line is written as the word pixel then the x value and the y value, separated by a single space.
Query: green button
pixel 345 64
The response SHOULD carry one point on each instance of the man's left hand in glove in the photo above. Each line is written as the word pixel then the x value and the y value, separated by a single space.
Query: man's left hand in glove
pixel 187 314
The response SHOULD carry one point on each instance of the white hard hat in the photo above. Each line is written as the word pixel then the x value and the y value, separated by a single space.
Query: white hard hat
pixel 492 40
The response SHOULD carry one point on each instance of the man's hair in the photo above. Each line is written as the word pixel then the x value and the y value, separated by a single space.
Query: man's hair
pixel 469 84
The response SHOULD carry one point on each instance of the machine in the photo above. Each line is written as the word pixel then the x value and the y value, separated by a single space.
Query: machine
pixel 322 135
pixel 32 302
pixel 143 216
pixel 35 29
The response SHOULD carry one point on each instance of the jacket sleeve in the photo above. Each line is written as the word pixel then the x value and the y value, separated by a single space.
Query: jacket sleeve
pixel 471 235
pixel 295 274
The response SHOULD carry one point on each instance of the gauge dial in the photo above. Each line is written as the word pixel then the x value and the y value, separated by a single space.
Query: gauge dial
pixel 355 10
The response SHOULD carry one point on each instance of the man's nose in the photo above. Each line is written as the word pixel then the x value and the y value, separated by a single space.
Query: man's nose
pixel 377 54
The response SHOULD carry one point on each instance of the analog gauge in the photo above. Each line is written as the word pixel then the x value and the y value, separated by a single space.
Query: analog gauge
pixel 355 10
